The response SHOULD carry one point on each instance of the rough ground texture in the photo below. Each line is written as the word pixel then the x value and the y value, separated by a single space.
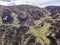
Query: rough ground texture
pixel 29 25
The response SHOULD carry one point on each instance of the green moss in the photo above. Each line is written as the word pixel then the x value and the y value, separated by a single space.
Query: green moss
pixel 15 19
pixel 0 18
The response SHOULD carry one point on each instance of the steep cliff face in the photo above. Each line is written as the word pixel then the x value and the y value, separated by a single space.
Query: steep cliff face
pixel 29 25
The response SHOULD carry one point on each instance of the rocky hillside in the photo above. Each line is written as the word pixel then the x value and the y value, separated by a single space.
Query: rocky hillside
pixel 29 25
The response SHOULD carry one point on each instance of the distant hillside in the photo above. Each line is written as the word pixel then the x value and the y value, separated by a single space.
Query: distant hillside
pixel 25 12
pixel 29 25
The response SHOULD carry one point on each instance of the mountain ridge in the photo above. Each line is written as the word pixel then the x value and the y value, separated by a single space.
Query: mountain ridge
pixel 29 25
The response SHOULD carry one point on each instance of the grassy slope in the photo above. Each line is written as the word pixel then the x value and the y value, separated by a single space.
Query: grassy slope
pixel 41 34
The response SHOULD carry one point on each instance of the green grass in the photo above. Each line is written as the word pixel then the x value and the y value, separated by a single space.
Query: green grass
pixel 43 29
pixel 41 34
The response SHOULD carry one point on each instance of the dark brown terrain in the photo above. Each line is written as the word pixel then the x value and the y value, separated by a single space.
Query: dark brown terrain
pixel 29 25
